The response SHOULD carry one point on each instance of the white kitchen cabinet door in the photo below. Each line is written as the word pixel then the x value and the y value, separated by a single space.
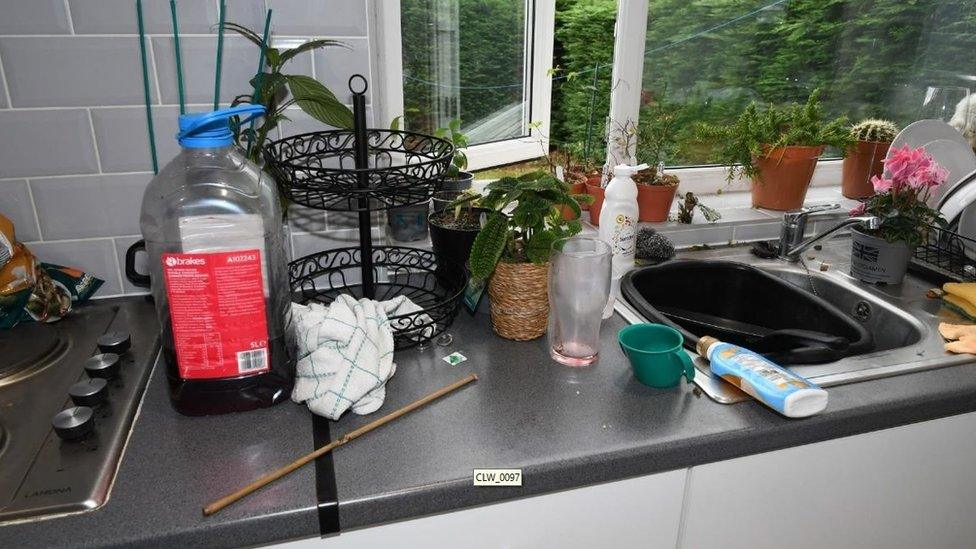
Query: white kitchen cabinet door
pixel 908 487
pixel 640 512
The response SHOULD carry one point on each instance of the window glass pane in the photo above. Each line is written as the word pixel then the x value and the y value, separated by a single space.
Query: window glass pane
pixel 466 59
pixel 706 59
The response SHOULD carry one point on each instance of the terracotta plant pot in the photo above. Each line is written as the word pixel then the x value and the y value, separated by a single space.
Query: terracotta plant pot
pixel 784 176
pixel 875 260
pixel 519 296
pixel 596 191
pixel 864 160
pixel 575 188
pixel 654 201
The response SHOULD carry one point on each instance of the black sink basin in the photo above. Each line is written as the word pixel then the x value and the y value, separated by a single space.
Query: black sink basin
pixel 746 306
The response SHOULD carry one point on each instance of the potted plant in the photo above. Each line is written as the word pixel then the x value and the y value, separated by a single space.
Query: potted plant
pixel 512 250
pixel 655 144
pixel 454 228
pixel 778 148
pixel 655 193
pixel 410 223
pixel 882 255
pixel 456 179
pixel 271 88
pixel 865 156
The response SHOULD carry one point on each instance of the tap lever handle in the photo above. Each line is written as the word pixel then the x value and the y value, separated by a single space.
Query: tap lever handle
pixel 796 215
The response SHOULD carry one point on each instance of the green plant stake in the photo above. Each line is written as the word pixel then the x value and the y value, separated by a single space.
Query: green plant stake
pixel 177 56
pixel 256 94
pixel 145 86
pixel 220 53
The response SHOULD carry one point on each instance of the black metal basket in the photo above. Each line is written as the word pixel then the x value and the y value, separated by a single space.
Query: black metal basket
pixel 433 283
pixel 943 254
pixel 319 170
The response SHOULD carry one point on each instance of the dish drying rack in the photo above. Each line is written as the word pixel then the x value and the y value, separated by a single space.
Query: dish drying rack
pixel 362 170
pixel 943 254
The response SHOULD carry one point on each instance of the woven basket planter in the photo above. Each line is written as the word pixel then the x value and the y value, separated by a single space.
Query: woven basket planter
pixel 519 297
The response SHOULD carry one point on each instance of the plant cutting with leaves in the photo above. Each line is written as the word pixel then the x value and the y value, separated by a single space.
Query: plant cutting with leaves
pixel 524 221
pixel 452 133
pixel 277 91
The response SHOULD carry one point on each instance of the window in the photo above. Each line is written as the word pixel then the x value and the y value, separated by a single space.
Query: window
pixel 484 62
pixel 704 60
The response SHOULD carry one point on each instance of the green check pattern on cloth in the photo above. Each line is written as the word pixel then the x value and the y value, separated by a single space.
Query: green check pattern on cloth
pixel 345 353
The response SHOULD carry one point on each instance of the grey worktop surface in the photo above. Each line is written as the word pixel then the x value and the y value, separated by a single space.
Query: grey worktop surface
pixel 563 427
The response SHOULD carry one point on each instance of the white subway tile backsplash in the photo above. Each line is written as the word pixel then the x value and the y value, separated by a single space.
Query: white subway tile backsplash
pixel 3 90
pixel 194 16
pixel 72 71
pixel 15 205
pixel 46 142
pixel 319 18
pixel 89 206
pixel 334 66
pixel 199 62
pixel 64 61
pixel 95 257
pixel 119 16
pixel 33 17
pixel 123 139
pixel 299 122
pixel 305 220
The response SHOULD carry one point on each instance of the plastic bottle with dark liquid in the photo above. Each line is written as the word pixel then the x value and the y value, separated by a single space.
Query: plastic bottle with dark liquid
pixel 212 225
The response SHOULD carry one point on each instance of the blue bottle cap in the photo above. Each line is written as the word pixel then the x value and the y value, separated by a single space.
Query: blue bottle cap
pixel 212 129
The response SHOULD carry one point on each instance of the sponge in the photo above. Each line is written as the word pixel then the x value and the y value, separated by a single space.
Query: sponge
pixel 653 247
pixel 959 306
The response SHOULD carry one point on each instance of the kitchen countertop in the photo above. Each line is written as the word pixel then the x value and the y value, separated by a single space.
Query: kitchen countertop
pixel 563 427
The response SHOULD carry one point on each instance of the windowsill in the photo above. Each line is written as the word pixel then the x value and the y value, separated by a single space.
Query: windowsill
pixel 741 222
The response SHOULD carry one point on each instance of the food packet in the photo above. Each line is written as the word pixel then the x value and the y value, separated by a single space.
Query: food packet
pixel 31 290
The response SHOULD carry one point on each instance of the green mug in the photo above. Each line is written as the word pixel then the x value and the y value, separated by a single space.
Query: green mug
pixel 656 354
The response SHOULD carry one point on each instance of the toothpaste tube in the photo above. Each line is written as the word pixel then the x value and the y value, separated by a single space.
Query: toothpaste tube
pixel 763 380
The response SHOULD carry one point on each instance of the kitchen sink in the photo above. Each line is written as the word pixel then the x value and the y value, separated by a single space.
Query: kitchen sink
pixel 901 320
pixel 745 305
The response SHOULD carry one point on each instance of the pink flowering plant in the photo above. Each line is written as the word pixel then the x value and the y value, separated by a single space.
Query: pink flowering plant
pixel 900 195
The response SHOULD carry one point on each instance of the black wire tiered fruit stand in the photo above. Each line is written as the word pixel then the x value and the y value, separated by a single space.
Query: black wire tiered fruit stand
pixel 363 170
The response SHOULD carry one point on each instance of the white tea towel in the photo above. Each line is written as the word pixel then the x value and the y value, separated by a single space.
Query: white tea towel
pixel 345 354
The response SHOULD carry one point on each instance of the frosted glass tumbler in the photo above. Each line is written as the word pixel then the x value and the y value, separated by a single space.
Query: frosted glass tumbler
pixel 579 287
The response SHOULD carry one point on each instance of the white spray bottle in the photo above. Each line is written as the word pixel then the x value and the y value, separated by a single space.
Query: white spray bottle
pixel 618 226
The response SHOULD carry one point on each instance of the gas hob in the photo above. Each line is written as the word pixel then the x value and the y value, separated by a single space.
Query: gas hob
pixel 69 392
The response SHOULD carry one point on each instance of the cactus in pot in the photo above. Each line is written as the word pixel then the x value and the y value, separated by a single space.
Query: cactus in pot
pixel 870 140
pixel 873 129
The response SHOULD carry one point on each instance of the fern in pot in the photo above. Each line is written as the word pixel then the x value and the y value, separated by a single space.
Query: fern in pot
pixel 512 250
pixel 777 148
pixel 900 201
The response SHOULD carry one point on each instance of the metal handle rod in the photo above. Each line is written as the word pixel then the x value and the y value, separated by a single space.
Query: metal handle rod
pixel 362 183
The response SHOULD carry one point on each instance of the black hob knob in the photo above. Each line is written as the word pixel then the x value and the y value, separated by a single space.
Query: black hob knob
pixel 90 392
pixel 74 423
pixel 114 342
pixel 105 366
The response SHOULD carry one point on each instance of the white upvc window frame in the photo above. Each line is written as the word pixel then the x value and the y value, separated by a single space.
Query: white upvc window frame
pixel 387 61
pixel 628 76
